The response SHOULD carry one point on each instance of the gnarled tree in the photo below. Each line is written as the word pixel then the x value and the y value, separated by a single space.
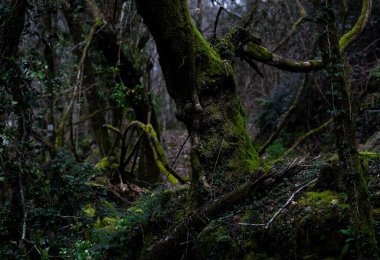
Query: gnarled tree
pixel 204 90
pixel 203 87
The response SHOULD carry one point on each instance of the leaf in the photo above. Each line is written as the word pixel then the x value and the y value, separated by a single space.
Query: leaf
pixel 345 249
pixel 41 75
pixel 345 232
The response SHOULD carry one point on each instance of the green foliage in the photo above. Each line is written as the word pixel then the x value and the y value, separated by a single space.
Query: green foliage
pixel 349 241
pixel 120 93
pixel 112 231
pixel 375 73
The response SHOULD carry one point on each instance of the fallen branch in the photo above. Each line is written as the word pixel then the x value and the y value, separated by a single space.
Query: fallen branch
pixel 278 212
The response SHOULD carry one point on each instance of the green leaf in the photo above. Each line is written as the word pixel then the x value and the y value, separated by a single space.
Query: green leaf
pixel 345 232
pixel 345 249
pixel 41 75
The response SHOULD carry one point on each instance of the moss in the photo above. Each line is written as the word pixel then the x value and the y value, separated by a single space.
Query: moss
pixel 376 212
pixel 369 155
pixel 323 199
pixel 214 241
pixel 259 52
pixel 188 60
pixel 351 35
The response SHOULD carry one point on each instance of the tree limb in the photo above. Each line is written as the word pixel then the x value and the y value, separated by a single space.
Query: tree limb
pixel 303 137
pixel 352 35
pixel 262 54
pixel 248 47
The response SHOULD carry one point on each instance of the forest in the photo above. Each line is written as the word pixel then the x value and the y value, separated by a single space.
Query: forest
pixel 190 129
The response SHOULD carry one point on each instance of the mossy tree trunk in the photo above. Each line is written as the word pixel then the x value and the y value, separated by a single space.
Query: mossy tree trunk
pixel 204 90
pixel 353 172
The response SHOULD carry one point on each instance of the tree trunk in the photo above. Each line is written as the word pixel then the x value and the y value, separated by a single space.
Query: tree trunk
pixel 204 90
pixel 353 172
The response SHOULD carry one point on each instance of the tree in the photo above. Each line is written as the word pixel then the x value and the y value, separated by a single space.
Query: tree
pixel 340 97
pixel 203 87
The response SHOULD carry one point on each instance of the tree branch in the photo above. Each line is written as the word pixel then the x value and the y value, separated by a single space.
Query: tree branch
pixel 248 47
pixel 262 54
pixel 352 35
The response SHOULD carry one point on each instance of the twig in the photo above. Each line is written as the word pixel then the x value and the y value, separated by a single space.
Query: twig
pixel 216 21
pixel 221 8
pixel 179 152
pixel 87 117
pixel 278 212
pixel 23 209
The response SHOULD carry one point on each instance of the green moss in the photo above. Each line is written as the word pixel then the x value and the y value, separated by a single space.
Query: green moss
pixel 107 163
pixel 357 29
pixel 215 241
pixel 323 199
pixel 376 212
pixel 369 155
pixel 259 52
